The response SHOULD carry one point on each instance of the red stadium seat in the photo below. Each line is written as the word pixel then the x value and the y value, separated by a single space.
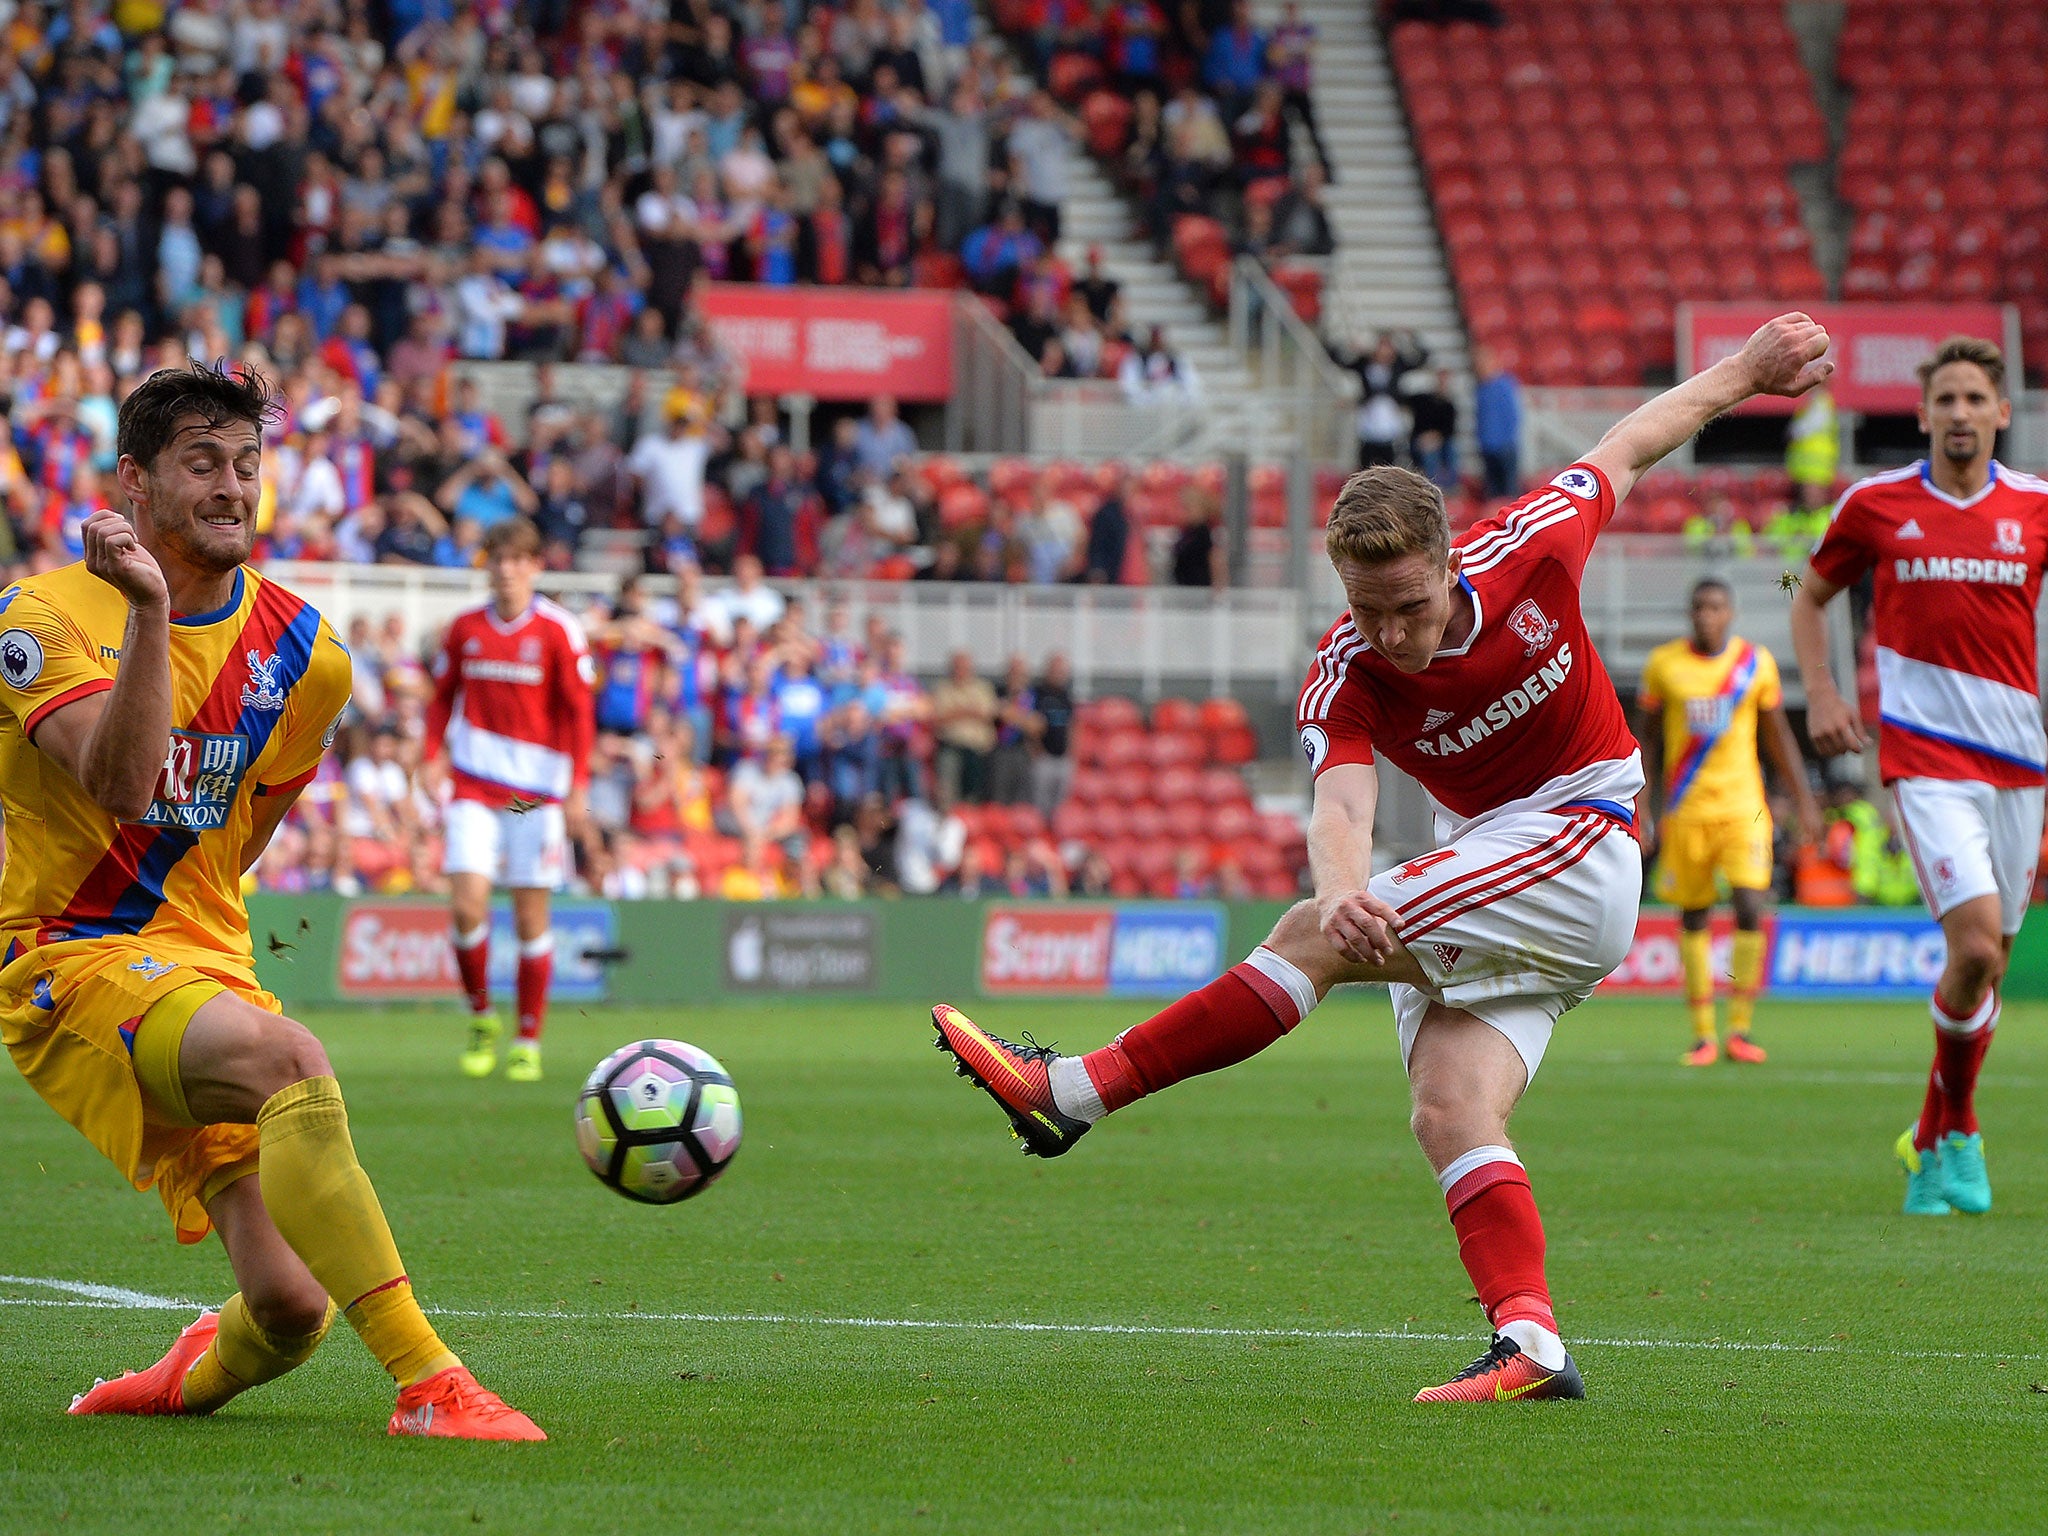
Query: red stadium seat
pixel 1146 821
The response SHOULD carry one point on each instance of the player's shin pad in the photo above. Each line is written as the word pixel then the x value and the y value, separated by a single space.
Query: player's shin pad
pixel 244 1354
pixel 323 1205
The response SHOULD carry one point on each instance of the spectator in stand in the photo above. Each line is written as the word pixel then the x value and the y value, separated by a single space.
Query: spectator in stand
pixel 1052 762
pixel 1199 558
pixel 669 467
pixel 1380 422
pixel 1018 727
pixel 1290 55
pixel 1259 146
pixel 1301 225
pixel 1497 422
pixel 882 439
pixel 964 717
pixel 1097 287
pixel 750 598
pixel 1041 148
pixel 486 491
pixel 772 512
pixel 1155 374
pixel 997 252
pixel 962 134
pixel 1109 535
pixel 1433 435
pixel 767 806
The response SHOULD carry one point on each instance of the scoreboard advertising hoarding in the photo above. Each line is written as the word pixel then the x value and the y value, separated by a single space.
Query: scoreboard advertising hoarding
pixel 1810 952
pixel 396 950
pixel 1141 949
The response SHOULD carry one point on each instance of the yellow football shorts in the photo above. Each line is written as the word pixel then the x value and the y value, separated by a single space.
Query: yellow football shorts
pixel 68 1016
pixel 1692 854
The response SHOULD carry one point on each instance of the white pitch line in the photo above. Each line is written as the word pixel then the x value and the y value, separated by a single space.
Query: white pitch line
pixel 119 1298
pixel 103 1295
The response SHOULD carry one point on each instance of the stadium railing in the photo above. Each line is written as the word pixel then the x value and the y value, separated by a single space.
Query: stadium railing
pixel 1147 640
pixel 1286 357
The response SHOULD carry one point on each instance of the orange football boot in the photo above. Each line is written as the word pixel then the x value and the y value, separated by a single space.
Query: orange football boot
pixel 1015 1076
pixel 1505 1375
pixel 161 1388
pixel 1704 1054
pixel 1742 1048
pixel 452 1405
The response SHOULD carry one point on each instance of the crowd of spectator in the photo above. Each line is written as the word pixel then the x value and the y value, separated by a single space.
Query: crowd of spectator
pixel 739 754
pixel 353 198
pixel 1192 110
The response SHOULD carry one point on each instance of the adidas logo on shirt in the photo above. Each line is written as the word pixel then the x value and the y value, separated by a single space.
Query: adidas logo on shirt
pixel 1910 529
pixel 1435 718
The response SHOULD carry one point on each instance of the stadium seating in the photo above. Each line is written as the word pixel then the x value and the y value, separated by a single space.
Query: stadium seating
pixel 1594 166
pixel 1945 160
pixel 1146 789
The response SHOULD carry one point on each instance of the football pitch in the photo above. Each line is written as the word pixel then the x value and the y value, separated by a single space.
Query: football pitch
pixel 1209 1317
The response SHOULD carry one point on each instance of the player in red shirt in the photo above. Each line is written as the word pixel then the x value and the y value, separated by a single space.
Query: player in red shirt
pixel 1957 543
pixel 1469 667
pixel 512 715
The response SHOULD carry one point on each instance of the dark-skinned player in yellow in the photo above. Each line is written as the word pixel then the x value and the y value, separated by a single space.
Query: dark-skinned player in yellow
pixel 161 705
pixel 1706 704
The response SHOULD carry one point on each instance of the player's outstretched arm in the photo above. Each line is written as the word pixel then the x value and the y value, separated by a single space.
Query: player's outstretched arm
pixel 1785 357
pixel 1358 925
pixel 1831 720
pixel 114 742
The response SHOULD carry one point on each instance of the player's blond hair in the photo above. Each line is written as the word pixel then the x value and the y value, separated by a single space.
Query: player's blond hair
pixel 1386 512
pixel 1966 349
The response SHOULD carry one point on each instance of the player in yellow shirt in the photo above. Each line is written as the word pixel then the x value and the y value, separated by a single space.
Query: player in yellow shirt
pixel 161 705
pixel 1704 704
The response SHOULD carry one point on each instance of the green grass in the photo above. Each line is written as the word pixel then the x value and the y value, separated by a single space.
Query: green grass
pixel 1755 1206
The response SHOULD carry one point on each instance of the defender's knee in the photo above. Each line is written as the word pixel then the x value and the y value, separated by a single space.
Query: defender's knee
pixel 288 1309
pixel 282 1052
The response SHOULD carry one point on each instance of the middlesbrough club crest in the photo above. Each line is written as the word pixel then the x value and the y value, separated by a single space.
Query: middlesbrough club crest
pixel 1944 873
pixel 1536 630
pixel 2009 537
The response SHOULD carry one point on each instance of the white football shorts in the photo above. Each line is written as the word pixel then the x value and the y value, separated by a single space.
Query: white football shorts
pixel 1968 840
pixel 1516 921
pixel 519 850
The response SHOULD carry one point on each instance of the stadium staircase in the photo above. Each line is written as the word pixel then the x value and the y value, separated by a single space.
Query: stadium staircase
pixel 1389 269
pixel 1154 294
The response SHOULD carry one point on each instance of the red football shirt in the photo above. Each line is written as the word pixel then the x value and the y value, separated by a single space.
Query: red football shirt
pixel 513 706
pixel 1957 583
pixel 1521 716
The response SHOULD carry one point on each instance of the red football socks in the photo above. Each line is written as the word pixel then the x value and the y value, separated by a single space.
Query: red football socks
pixel 536 969
pixel 1959 1047
pixel 1500 1239
pixel 473 965
pixel 1236 1016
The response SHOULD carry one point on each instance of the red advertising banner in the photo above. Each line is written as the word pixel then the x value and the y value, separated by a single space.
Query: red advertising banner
pixel 1876 348
pixel 1652 966
pixel 396 949
pixel 836 343
pixel 1046 949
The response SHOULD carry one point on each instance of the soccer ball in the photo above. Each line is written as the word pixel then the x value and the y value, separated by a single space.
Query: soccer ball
pixel 658 1121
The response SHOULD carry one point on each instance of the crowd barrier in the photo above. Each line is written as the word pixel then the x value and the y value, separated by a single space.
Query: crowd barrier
pixel 324 950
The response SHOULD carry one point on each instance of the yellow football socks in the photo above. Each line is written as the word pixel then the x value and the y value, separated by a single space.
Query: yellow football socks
pixel 1745 974
pixel 244 1355
pixel 323 1205
pixel 1695 953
